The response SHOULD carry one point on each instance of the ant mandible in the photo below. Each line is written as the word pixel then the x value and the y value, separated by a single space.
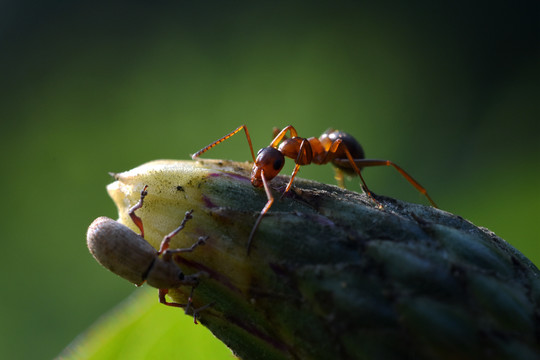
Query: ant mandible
pixel 334 146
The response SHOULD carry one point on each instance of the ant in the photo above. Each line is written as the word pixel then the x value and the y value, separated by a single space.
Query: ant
pixel 337 147
pixel 129 255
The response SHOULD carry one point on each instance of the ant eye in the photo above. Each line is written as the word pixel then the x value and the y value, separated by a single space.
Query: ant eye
pixel 278 164
pixel 180 276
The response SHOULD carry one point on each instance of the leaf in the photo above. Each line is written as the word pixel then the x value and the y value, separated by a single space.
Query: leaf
pixel 142 328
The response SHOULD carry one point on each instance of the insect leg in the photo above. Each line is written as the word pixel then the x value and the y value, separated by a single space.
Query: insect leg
pixel 281 135
pixel 163 299
pixel 338 175
pixel 263 211
pixel 302 155
pixel 197 311
pixel 409 178
pixel 168 252
pixel 167 239
pixel 333 149
pixel 137 220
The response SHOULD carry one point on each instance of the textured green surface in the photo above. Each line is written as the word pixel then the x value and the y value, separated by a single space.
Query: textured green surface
pixel 330 275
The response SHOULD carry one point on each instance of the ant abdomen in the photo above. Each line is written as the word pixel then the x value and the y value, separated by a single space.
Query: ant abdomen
pixel 354 147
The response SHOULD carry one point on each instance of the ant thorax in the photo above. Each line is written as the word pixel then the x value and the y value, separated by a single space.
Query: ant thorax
pixel 292 148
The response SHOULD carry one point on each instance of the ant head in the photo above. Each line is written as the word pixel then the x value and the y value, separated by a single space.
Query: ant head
pixel 269 160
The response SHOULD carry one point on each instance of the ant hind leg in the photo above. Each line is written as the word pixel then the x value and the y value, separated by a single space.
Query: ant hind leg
pixel 409 178
pixel 350 160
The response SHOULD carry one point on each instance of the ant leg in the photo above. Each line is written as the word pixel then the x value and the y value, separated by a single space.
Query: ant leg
pixel 137 220
pixel 289 185
pixel 263 211
pixel 338 175
pixel 167 239
pixel 302 155
pixel 275 131
pixel 416 184
pixel 206 148
pixel 333 149
pixel 281 135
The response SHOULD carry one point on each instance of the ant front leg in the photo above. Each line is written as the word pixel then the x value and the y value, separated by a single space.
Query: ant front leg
pixel 137 220
pixel 263 211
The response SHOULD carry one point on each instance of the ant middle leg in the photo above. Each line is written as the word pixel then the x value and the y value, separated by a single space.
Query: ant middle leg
pixel 304 157
pixel 263 211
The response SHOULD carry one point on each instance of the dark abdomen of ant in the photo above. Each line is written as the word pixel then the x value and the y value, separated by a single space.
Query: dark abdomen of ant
pixel 355 149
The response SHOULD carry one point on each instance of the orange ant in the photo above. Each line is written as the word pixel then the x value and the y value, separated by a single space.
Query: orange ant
pixel 334 146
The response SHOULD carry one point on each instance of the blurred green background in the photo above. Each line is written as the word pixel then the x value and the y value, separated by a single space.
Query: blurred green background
pixel 448 91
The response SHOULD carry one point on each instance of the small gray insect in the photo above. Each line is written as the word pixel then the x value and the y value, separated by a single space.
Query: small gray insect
pixel 129 255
